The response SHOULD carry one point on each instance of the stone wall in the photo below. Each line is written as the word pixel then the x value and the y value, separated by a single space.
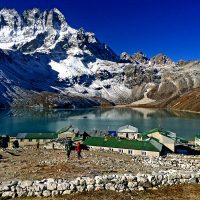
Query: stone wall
pixel 172 161
pixel 115 182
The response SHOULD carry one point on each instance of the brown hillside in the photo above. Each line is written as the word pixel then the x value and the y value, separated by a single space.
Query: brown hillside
pixel 189 101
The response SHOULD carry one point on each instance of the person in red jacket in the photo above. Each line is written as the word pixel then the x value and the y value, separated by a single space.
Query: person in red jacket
pixel 78 149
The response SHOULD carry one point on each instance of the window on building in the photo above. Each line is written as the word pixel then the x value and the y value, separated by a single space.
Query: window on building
pixel 144 153
pixel 130 152
pixel 21 140
pixel 120 150
pixel 30 140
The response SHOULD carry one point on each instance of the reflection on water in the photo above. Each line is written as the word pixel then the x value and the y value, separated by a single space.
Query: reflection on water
pixel 36 120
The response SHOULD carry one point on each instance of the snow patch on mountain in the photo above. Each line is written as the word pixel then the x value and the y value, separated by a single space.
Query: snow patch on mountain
pixel 69 68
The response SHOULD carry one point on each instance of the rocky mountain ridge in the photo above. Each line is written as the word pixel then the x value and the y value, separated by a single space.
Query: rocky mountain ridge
pixel 41 55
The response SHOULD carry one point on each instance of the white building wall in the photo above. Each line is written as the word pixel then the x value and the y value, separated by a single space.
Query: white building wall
pixel 168 142
pixel 127 151
pixel 128 135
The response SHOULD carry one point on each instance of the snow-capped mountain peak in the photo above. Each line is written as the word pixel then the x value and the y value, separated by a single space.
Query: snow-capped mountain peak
pixel 41 53
pixel 35 29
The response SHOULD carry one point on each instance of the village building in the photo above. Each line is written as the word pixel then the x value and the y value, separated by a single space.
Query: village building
pixel 34 138
pixel 171 142
pixel 154 142
pixel 129 132
pixel 43 138
pixel 131 147
pixel 167 138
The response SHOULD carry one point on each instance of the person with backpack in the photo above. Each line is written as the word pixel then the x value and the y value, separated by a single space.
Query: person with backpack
pixel 68 148
pixel 78 149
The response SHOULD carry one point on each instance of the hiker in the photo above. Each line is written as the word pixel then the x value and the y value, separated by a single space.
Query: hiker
pixel 38 146
pixel 4 140
pixel 15 144
pixel 53 146
pixel 78 149
pixel 68 148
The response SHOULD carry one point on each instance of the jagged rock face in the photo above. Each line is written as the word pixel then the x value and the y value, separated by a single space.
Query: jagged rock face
pixel 41 55
pixel 20 29
pixel 125 57
pixel 139 57
pixel 47 31
pixel 161 59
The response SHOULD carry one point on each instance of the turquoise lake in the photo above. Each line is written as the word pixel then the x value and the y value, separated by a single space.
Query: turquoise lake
pixel 13 121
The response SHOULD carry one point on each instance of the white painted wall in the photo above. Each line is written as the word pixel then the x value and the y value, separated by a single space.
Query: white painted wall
pixel 127 151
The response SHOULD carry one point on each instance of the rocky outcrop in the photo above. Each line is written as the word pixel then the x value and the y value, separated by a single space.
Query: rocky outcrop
pixel 160 59
pixel 139 57
pixel 125 57
pixel 136 58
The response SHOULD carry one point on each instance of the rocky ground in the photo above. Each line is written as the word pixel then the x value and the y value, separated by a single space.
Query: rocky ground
pixel 28 163
pixel 31 164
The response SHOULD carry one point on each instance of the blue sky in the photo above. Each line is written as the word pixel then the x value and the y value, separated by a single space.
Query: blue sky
pixel 152 26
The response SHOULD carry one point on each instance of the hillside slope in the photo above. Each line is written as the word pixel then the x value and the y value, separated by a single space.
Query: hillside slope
pixel 189 101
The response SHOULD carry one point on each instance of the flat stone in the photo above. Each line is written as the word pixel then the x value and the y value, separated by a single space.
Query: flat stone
pixel 7 194
pixel 66 192
pixel 132 184
pixel 51 186
pixel 90 187
pixel 46 193
pixel 140 188
pixel 63 186
pixel 26 184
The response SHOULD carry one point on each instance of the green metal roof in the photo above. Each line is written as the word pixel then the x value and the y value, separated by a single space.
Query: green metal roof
pixel 37 135
pixel 123 143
